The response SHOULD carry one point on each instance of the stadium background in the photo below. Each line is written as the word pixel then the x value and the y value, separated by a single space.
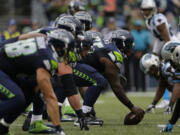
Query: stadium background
pixel 107 15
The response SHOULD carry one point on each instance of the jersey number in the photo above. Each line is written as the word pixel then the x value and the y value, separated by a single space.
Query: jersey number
pixel 20 48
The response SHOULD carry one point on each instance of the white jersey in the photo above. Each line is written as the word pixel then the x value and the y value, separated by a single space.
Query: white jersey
pixel 152 25
pixel 154 22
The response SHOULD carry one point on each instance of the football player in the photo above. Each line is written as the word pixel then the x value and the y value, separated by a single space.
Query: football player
pixel 32 56
pixel 107 60
pixel 151 64
pixel 171 52
pixel 75 6
pixel 160 29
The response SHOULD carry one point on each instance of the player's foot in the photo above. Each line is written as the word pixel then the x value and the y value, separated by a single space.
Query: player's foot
pixel 90 121
pixel 163 104
pixel 4 130
pixel 60 132
pixel 67 118
pixel 40 127
pixel 67 110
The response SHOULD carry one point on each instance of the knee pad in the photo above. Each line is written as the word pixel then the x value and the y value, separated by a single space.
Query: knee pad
pixel 69 85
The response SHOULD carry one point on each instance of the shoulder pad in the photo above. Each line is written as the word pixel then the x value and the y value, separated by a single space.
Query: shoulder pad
pixel 159 19
pixel 116 57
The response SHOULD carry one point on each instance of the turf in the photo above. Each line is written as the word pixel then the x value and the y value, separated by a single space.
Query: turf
pixel 113 112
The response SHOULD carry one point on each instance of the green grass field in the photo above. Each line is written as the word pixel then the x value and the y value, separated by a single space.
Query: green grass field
pixel 113 112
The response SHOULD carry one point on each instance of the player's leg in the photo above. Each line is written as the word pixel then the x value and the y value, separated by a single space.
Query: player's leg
pixel 36 124
pixel 59 91
pixel 73 97
pixel 174 118
pixel 85 75
pixel 67 109
pixel 165 101
pixel 12 102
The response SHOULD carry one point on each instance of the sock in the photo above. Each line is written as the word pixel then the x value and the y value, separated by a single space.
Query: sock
pixel 66 102
pixel 58 128
pixel 4 123
pixel 60 104
pixel 79 113
pixel 86 109
pixel 36 118
pixel 166 95
pixel 31 108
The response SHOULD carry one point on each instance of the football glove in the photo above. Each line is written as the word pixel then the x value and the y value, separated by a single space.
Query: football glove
pixel 168 110
pixel 168 128
pixel 151 107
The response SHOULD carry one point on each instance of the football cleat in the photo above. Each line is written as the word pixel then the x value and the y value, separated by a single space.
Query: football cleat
pixel 4 130
pixel 67 118
pixel 90 121
pixel 163 104
pixel 39 127
pixel 67 110
pixel 60 132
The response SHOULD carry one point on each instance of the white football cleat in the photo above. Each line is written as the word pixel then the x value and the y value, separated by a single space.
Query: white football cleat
pixel 61 133
pixel 163 104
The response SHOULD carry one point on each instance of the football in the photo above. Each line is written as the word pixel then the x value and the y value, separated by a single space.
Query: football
pixel 132 119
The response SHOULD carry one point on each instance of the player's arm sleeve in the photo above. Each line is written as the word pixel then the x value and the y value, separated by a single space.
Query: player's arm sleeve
pixel 111 73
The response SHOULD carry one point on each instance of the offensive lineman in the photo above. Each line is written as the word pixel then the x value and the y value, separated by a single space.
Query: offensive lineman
pixel 28 57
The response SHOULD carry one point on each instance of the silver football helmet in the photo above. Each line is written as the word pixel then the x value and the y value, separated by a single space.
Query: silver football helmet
pixel 147 61
pixel 176 56
pixel 168 49
pixel 148 4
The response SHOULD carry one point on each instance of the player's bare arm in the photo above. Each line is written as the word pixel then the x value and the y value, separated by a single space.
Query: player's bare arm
pixel 160 91
pixel 163 32
pixel 44 83
pixel 30 35
pixel 111 73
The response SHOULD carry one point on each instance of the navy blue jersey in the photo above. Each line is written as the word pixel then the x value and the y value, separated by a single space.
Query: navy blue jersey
pixel 109 51
pixel 26 56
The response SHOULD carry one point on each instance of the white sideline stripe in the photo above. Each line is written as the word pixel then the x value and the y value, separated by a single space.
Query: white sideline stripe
pixel 133 94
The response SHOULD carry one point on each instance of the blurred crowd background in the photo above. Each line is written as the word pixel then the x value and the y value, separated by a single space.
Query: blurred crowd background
pixel 22 16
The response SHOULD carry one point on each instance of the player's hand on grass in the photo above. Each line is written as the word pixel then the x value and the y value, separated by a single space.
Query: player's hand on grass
pixel 168 110
pixel 168 128
pixel 151 107
pixel 138 111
